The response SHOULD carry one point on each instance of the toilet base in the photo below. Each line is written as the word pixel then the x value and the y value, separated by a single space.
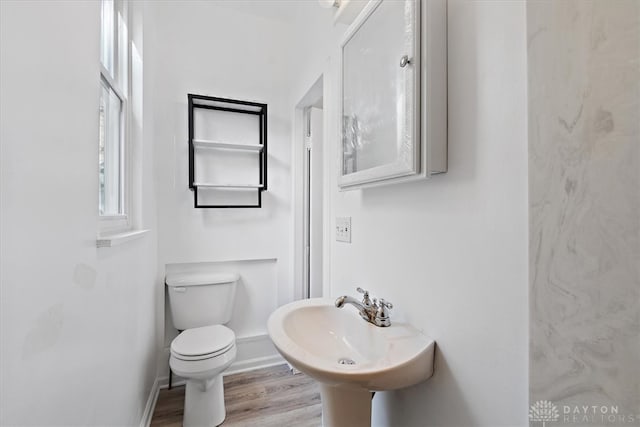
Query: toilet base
pixel 204 403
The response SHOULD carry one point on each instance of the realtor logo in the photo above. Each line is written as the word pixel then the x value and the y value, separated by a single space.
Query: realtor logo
pixel 543 411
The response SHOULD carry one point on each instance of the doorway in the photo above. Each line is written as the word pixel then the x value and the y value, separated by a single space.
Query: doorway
pixel 308 165
pixel 313 190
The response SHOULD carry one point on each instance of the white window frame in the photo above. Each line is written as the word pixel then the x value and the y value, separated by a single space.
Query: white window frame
pixel 120 83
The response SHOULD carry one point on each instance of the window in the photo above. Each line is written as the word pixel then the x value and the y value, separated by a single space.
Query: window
pixel 113 200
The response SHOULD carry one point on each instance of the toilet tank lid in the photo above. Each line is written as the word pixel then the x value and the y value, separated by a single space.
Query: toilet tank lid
pixel 199 279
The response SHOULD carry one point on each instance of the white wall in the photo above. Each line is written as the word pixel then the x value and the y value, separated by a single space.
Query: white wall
pixel 451 253
pixel 78 334
pixel 212 48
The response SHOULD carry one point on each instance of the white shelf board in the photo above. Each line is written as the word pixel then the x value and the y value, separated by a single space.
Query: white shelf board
pixel 204 184
pixel 201 143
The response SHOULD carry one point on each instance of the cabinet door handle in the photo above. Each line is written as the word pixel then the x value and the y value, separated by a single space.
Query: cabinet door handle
pixel 404 61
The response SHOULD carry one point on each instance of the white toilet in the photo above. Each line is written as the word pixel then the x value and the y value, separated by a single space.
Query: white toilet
pixel 200 305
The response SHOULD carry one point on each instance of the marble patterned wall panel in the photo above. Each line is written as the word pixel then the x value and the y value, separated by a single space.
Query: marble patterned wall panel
pixel 584 207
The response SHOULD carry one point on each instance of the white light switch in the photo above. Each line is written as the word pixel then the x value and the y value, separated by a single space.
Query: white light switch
pixel 343 229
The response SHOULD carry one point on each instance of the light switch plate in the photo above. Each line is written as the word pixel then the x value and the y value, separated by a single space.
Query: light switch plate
pixel 343 229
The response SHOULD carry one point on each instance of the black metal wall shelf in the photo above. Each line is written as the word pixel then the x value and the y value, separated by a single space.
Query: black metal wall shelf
pixel 231 106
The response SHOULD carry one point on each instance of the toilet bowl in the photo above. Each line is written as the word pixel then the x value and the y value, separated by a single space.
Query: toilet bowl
pixel 200 355
pixel 200 305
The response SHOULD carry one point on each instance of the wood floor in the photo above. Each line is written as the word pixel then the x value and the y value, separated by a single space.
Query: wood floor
pixel 270 397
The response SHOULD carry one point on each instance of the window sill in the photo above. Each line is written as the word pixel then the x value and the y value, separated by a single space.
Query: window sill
pixel 110 240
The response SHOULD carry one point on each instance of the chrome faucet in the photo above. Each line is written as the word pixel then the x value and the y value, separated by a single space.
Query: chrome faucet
pixel 373 311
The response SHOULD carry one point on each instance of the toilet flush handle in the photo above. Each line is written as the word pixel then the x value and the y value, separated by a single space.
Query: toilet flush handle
pixel 180 289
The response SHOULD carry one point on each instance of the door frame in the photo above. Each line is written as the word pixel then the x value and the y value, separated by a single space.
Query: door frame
pixel 316 92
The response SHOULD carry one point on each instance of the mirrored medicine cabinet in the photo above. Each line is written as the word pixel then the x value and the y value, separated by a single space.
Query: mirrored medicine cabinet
pixel 393 87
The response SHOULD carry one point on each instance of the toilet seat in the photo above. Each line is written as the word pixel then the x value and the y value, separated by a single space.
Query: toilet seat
pixel 203 343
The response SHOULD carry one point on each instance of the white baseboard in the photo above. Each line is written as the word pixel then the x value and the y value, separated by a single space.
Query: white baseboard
pixel 147 415
pixel 252 364
pixel 253 352
pixel 236 368
pixel 176 381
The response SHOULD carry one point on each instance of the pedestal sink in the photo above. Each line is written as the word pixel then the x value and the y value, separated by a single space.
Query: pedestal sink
pixel 348 356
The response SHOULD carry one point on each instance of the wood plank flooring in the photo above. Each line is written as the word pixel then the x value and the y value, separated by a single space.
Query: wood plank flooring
pixel 269 397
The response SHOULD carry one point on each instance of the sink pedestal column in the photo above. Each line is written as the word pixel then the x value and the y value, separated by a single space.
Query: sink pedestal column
pixel 345 407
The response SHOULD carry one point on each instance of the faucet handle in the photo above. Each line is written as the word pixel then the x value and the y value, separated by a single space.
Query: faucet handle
pixel 382 313
pixel 385 304
pixel 366 301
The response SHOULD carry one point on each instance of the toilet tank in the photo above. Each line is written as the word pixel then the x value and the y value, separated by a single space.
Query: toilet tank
pixel 201 299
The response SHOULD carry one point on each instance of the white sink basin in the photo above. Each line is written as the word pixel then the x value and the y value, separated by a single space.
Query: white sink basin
pixel 349 356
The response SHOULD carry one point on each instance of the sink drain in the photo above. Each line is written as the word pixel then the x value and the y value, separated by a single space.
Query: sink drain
pixel 346 361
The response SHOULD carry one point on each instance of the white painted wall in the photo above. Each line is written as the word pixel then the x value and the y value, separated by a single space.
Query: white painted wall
pixel 254 290
pixel 316 41
pixel 77 322
pixel 451 253
pixel 217 49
